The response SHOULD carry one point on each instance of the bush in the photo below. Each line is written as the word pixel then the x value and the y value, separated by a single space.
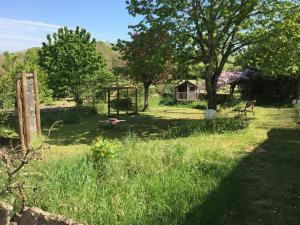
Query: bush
pixel 101 107
pixel 219 125
pixel 122 104
pixel 101 152
pixel 167 100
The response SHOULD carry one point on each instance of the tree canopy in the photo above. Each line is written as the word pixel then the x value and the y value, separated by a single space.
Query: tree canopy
pixel 209 31
pixel 147 57
pixel 74 66
pixel 278 55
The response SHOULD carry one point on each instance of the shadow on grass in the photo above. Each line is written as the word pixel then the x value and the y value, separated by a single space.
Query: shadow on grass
pixel 264 188
pixel 141 126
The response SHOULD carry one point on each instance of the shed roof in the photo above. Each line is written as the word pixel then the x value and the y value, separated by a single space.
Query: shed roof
pixel 185 82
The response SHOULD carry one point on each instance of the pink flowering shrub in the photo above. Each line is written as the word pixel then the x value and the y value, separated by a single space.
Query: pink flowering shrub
pixel 228 78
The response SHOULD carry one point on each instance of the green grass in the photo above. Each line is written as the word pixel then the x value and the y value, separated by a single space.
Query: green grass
pixel 297 107
pixel 245 176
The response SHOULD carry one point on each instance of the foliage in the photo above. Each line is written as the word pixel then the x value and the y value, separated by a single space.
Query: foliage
pixel 229 78
pixel 30 64
pixel 7 90
pixel 102 150
pixel 278 54
pixel 14 63
pixel 208 32
pixel 111 56
pixel 122 104
pixel 148 58
pixel 73 64
pixel 167 100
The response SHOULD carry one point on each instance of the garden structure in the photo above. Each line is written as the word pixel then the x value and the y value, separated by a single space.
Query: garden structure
pixel 28 107
pixel 255 86
pixel 120 99
pixel 186 91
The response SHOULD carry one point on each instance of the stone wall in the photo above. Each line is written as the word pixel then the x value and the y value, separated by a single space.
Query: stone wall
pixel 32 216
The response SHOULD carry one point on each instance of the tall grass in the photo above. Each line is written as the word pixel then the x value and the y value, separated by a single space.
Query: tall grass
pixel 218 125
pixel 67 116
pixel 145 184
pixel 297 107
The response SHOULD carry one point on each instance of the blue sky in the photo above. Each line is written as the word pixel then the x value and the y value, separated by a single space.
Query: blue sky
pixel 25 23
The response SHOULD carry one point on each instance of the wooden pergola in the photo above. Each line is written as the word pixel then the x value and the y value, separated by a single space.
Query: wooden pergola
pixel 118 89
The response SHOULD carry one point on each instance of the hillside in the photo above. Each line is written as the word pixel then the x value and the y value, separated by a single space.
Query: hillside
pixel 111 56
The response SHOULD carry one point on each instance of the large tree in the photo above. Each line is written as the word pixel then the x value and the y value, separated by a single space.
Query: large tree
pixel 147 57
pixel 278 55
pixel 72 62
pixel 209 31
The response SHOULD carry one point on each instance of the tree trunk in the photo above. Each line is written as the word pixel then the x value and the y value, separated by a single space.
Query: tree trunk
pixel 146 96
pixel 297 88
pixel 211 89
pixel 232 87
pixel 77 99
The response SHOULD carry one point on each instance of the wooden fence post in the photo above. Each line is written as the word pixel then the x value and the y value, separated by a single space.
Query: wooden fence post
pixel 26 110
pixel 37 104
pixel 20 113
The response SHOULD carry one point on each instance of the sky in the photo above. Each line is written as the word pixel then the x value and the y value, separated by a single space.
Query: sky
pixel 26 23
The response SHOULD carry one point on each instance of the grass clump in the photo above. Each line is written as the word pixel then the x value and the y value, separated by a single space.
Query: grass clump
pixel 218 125
pixel 297 107
pixel 67 116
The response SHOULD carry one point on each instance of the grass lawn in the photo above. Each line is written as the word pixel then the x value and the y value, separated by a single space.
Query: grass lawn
pixel 249 176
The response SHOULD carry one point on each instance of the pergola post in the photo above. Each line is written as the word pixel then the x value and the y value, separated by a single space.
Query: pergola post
pixel 127 97
pixel 118 101
pixel 136 101
pixel 108 102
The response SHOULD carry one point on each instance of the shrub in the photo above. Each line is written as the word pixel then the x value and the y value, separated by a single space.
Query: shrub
pixel 167 100
pixel 101 152
pixel 122 104
pixel 101 107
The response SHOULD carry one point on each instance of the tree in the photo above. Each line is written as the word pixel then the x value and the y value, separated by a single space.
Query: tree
pixel 72 62
pixel 7 90
pixel 148 58
pixel 208 31
pixel 278 56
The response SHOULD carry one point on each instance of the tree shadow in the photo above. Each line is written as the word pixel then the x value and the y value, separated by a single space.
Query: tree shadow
pixel 140 126
pixel 264 188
